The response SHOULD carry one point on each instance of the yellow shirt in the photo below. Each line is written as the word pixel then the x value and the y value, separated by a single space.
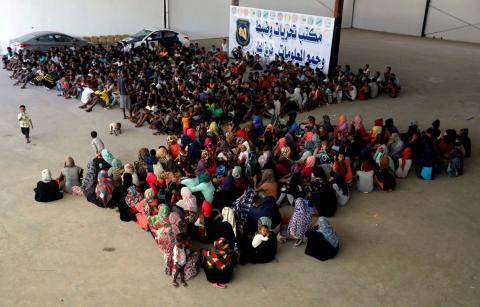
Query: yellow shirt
pixel 104 96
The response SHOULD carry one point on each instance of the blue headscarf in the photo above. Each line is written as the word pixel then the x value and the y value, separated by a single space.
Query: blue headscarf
pixel 258 124
pixel 326 229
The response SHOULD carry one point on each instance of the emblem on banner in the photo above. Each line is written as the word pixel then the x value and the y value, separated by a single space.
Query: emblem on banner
pixel 243 32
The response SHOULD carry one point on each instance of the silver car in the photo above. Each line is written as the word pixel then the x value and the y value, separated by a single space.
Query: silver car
pixel 44 40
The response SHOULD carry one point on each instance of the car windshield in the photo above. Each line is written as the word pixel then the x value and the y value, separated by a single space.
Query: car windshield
pixel 141 34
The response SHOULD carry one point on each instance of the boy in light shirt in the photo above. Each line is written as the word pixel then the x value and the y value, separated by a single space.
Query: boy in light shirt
pixel 25 122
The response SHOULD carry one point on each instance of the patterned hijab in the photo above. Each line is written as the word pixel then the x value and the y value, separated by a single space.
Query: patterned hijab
pixel 326 229
pixel 219 256
pixel 242 205
pixel 300 221
pixel 104 187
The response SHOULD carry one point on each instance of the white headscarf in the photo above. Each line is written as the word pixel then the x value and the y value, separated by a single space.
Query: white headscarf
pixel 46 176
pixel 229 217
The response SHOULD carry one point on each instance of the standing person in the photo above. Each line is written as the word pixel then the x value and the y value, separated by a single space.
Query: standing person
pixel 225 47
pixel 97 143
pixel 122 85
pixel 25 122
pixel 179 259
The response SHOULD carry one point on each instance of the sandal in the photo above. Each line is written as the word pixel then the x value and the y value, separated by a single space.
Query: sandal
pixel 219 286
pixel 175 284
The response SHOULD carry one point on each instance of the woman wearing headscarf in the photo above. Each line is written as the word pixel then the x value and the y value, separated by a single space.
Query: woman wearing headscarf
pixel 307 168
pixel 126 213
pixel 102 195
pixel 258 125
pixel 285 163
pixel 395 146
pixel 188 203
pixel 218 263
pixel 107 156
pixel 242 205
pixel 365 176
pixel 145 208
pixel 266 251
pixel 327 125
pixel 324 196
pixel 384 176
pixel 206 164
pixel 323 242
pixel 204 186
pixel 341 189
pixel 341 130
pixel 177 226
pixel 90 180
pixel 266 208
pixel 404 163
pixel 269 137
pixel 140 166
pixel 47 190
pixel 225 196
pixel 213 129
pixel 268 185
pixel 128 168
pixel 70 175
pixel 240 181
pixel 159 226
pixel 282 142
pixel 116 172
pixel 299 223
pixel 359 128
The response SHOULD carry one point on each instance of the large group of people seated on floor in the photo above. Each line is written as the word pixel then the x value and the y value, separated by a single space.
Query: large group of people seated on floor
pixel 164 87
pixel 232 187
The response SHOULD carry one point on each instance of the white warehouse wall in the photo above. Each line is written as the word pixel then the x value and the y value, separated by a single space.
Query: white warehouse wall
pixel 210 18
pixel 441 21
pixel 81 18
pixel 395 16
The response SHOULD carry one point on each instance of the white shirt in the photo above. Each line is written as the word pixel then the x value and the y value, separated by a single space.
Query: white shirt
pixel 342 199
pixel 87 92
pixel 258 239
pixel 97 145
pixel 225 47
pixel 277 106
pixel 365 181
pixel 179 256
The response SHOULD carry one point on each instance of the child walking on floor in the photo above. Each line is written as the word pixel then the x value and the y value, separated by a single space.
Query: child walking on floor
pixel 25 122
pixel 180 259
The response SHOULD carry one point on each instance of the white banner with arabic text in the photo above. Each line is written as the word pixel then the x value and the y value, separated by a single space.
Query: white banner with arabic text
pixel 295 37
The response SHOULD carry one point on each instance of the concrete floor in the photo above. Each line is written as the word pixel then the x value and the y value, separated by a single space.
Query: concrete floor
pixel 418 246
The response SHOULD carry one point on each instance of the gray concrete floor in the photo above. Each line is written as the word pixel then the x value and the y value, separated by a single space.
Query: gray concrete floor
pixel 418 246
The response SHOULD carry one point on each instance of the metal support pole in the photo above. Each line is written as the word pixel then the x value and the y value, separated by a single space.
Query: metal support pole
pixel 425 17
pixel 337 13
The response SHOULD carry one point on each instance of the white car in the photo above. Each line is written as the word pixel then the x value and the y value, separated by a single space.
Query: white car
pixel 165 37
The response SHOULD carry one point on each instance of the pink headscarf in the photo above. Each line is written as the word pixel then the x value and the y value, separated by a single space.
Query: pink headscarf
pixel 280 144
pixel 310 161
pixel 191 133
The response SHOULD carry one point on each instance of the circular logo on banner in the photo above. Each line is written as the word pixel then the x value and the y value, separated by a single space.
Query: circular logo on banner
pixel 242 33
